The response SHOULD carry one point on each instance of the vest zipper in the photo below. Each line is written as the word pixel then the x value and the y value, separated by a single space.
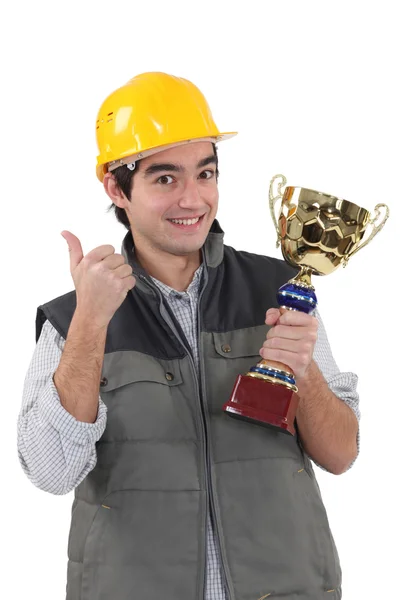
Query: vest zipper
pixel 215 523
pixel 204 427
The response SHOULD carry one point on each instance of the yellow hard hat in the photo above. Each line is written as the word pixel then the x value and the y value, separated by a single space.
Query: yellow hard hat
pixel 150 113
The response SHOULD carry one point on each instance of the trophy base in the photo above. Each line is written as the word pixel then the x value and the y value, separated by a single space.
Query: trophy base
pixel 263 403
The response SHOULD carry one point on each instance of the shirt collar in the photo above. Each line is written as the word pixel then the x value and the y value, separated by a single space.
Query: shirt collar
pixel 193 287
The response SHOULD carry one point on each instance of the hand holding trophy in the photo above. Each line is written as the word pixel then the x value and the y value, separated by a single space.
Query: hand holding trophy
pixel 318 233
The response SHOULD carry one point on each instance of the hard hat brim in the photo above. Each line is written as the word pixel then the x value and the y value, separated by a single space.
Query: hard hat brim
pixel 102 169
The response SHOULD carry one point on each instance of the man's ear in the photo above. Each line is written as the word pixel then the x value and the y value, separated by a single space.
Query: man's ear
pixel 113 191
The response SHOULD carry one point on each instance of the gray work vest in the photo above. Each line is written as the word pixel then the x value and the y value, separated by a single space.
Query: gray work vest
pixel 169 452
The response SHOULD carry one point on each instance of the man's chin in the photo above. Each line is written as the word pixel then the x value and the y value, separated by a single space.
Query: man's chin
pixel 184 247
pixel 184 250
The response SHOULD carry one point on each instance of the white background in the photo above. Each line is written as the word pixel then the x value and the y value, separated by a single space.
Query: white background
pixel 312 88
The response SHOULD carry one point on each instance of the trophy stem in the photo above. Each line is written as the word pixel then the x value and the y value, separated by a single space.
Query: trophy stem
pixel 303 277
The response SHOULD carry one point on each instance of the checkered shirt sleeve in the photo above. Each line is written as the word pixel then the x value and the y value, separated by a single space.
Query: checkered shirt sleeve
pixel 55 450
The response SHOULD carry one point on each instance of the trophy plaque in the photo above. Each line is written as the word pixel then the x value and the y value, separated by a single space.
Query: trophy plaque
pixel 317 233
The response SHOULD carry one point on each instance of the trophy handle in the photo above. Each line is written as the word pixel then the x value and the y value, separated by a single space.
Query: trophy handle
pixel 375 229
pixel 273 200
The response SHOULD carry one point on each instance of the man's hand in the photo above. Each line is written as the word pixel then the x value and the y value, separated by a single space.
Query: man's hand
pixel 291 339
pixel 102 280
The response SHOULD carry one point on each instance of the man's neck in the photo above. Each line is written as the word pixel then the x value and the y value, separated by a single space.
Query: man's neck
pixel 175 271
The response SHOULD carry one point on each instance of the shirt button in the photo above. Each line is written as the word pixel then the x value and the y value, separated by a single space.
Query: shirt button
pixel 169 376
pixel 226 348
pixel 103 381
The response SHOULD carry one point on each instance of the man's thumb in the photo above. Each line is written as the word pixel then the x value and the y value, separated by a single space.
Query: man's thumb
pixel 74 247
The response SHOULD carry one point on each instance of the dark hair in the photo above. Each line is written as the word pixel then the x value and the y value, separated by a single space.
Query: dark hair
pixel 124 179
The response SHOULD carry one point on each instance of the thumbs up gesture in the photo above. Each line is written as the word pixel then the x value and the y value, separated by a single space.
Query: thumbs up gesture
pixel 102 280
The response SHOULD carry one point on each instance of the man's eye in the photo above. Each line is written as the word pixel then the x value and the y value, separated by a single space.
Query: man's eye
pixel 165 179
pixel 207 174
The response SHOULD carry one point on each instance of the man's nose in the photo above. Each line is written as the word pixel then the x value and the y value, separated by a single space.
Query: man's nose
pixel 191 194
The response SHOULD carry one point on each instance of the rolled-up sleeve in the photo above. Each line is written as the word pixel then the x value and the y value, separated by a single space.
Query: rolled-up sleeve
pixel 342 383
pixel 55 450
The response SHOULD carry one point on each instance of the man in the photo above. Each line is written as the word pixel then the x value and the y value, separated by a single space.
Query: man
pixel 123 399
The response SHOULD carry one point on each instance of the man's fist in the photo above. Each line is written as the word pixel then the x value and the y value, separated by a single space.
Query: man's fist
pixel 291 339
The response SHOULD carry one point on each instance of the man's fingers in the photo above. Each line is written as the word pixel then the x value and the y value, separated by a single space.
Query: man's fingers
pixel 290 318
pixel 286 331
pixel 290 345
pixel 99 253
pixel 113 261
pixel 271 316
pixel 295 317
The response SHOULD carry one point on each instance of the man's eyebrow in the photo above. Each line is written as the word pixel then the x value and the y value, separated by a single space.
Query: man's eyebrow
pixel 159 167
pixel 212 159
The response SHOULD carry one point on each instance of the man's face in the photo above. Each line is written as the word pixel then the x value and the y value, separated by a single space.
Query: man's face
pixel 175 185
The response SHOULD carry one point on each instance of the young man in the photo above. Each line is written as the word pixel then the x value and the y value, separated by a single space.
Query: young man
pixel 123 398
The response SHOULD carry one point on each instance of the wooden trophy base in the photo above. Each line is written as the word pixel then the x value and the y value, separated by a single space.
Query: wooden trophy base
pixel 263 403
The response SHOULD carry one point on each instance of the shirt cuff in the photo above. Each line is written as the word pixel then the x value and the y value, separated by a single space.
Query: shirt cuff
pixel 52 411
pixel 344 386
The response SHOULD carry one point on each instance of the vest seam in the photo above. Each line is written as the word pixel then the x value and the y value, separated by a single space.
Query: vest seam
pixel 179 357
pixel 240 328
pixel 221 462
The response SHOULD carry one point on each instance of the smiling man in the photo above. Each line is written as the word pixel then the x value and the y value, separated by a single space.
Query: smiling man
pixel 175 500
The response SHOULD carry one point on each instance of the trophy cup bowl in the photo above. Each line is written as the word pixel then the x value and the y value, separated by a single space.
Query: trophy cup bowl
pixel 317 233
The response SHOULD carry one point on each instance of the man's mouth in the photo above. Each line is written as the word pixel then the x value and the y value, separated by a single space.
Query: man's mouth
pixel 187 222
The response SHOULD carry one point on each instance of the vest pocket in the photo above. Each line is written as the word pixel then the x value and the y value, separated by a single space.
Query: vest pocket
pixel 240 343
pixel 145 397
pixel 143 544
pixel 276 532
pixel 124 368
pixel 228 355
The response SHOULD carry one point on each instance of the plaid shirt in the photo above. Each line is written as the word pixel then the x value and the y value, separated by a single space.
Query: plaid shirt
pixel 57 452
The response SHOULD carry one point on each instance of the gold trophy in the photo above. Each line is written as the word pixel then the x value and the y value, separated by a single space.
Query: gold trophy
pixel 317 232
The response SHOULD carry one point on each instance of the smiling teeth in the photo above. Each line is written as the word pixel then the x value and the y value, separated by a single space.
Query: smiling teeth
pixel 185 221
